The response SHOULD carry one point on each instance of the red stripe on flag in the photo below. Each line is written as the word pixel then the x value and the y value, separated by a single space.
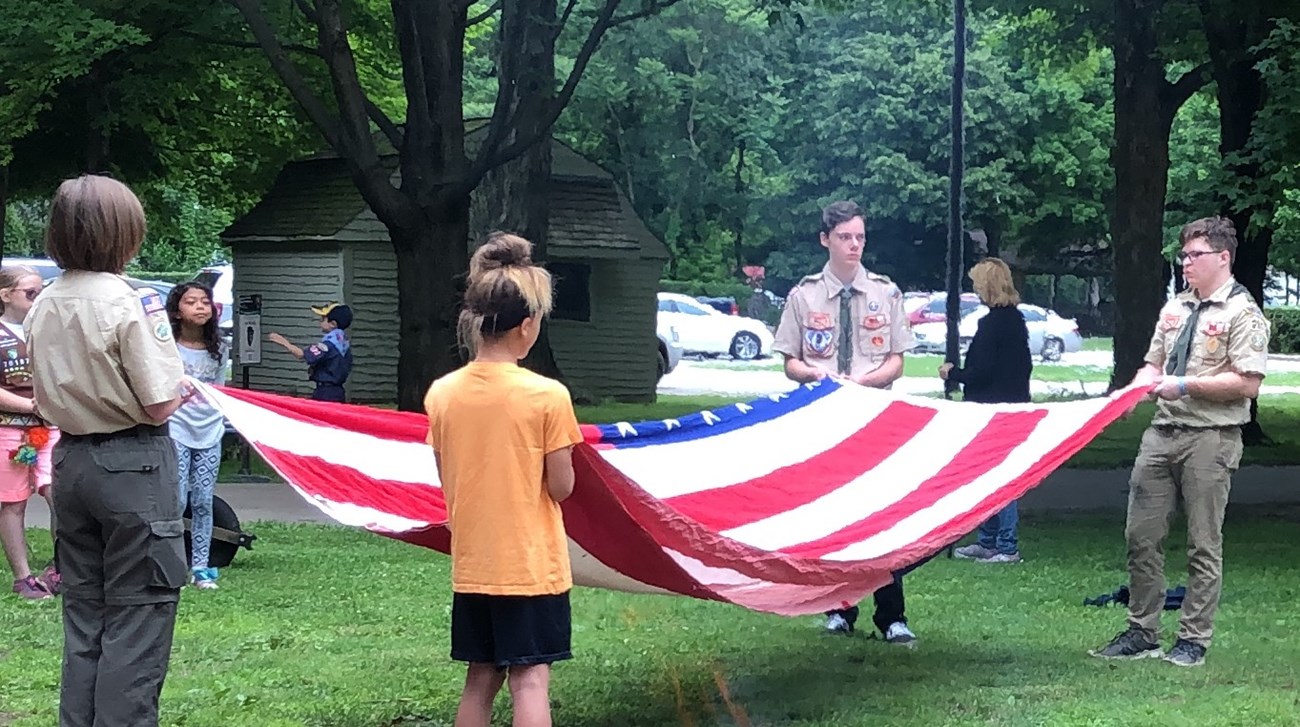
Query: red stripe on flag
pixel 398 426
pixel 342 484
pixel 1003 434
pixel 783 490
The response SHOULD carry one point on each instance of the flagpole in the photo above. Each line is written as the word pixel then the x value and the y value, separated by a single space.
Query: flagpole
pixel 956 169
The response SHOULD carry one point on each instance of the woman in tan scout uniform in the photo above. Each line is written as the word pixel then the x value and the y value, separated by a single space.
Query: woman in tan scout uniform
pixel 106 372
pixel 1206 360
pixel 25 440
pixel 849 323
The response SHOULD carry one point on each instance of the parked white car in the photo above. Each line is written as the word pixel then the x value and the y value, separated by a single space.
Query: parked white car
pixel 1049 334
pixel 670 347
pixel 702 329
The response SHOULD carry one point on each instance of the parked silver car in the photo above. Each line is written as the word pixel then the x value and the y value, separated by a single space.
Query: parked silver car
pixel 1050 335
pixel 670 348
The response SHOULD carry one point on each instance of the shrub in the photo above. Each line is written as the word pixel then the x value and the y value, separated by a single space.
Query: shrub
pixel 1286 329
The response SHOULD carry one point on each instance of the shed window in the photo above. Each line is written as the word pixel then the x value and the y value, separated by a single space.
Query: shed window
pixel 572 291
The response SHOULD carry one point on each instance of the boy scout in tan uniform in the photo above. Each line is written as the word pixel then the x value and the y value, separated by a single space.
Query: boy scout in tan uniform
pixel 1208 357
pixel 858 331
pixel 106 372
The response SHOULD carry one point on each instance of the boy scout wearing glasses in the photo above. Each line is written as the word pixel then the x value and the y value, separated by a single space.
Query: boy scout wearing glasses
pixel 847 322
pixel 1207 359
pixel 107 373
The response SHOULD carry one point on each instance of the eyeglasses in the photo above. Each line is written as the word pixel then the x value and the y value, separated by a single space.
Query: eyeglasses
pixel 1192 255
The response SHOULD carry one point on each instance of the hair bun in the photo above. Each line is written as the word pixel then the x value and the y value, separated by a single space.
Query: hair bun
pixel 501 250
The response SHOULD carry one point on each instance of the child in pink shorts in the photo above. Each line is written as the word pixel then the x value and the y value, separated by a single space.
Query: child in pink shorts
pixel 26 441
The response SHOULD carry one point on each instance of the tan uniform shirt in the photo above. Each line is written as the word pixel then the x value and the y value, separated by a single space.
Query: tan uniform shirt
pixel 1231 335
pixel 101 351
pixel 809 328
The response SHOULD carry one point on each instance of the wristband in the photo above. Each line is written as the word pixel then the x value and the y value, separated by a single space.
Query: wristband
pixel 1182 386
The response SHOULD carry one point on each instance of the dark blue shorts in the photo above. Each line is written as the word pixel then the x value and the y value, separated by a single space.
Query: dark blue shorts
pixel 329 392
pixel 508 631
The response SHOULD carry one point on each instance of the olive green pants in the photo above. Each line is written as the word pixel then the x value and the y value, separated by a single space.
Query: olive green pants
pixel 120 551
pixel 1195 465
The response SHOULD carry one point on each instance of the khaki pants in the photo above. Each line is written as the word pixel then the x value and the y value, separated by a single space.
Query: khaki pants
pixel 1196 464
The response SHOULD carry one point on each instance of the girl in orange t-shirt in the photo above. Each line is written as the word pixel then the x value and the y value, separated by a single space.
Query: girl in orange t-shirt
pixel 503 437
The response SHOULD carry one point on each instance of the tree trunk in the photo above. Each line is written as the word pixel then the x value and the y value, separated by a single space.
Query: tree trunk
pixel 738 222
pixel 1143 117
pixel 514 197
pixel 4 206
pixel 1232 31
pixel 430 275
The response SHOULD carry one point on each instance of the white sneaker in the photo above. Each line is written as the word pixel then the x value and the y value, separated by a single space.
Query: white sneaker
pixel 1002 558
pixel 898 633
pixel 836 624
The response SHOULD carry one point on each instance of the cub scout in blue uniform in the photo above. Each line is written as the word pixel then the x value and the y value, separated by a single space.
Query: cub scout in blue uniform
pixel 849 323
pixel 330 360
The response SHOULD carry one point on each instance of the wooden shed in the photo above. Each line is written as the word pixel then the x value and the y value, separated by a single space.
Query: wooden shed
pixel 313 239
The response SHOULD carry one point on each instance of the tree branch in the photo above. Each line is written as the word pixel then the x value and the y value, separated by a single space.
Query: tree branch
pixel 564 17
pixel 231 43
pixel 385 124
pixel 307 10
pixel 284 67
pixel 1175 94
pixel 651 8
pixel 491 157
pixel 492 10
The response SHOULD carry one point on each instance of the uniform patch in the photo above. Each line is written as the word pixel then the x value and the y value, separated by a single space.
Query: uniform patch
pixel 1170 321
pixel 1214 328
pixel 315 349
pixel 877 341
pixel 872 323
pixel 163 331
pixel 873 306
pixel 1258 340
pixel 1212 345
pixel 153 303
pixel 819 320
pixel 817 341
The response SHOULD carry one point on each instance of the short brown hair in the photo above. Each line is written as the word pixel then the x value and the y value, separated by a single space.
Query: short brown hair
pixel 96 224
pixel 991 278
pixel 837 213
pixel 1218 232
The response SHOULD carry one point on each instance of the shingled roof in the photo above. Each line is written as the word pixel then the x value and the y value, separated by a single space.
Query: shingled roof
pixel 315 199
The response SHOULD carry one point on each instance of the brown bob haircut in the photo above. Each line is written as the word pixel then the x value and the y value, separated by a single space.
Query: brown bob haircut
pixel 96 224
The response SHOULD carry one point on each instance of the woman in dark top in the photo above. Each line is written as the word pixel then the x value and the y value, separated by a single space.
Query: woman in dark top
pixel 997 371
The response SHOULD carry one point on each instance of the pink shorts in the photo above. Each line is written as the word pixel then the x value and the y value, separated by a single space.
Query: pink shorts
pixel 18 481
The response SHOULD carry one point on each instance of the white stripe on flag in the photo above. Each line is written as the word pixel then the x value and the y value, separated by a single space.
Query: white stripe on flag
pixel 374 457
pixel 1063 421
pixel 893 479
pixel 671 470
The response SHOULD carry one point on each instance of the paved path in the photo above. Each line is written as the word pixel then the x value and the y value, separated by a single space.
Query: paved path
pixel 1063 491
pixel 691 378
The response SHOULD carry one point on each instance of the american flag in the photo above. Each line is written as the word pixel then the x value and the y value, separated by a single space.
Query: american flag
pixel 792 504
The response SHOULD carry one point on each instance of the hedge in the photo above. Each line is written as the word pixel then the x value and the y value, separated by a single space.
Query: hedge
pixel 694 288
pixel 167 276
pixel 1286 329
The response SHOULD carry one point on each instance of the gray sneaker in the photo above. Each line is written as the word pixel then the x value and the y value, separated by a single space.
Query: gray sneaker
pixel 1129 644
pixel 900 635
pixel 974 551
pixel 1185 653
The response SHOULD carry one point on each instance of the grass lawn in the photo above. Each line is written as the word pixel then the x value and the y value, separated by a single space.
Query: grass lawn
pixel 329 627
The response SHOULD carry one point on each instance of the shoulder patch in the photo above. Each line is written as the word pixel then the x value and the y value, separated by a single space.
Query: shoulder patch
pixel 163 331
pixel 152 302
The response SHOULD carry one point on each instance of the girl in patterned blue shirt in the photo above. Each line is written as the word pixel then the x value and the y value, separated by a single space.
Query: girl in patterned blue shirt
pixel 197 427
